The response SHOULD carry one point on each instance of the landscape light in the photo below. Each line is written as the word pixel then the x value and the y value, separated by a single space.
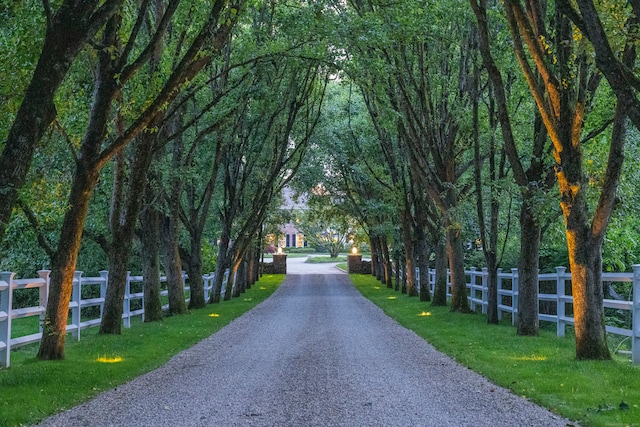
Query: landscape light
pixel 354 250
pixel 107 359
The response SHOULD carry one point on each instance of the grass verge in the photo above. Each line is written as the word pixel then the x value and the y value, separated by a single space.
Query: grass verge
pixel 31 390
pixel 322 259
pixel 542 369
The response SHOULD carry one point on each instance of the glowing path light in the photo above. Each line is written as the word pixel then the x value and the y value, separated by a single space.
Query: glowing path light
pixel 110 359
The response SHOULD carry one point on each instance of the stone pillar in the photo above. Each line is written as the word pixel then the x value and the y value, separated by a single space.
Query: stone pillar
pixel 354 263
pixel 279 264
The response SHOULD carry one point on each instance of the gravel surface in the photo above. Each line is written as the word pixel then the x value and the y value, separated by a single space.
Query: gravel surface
pixel 316 353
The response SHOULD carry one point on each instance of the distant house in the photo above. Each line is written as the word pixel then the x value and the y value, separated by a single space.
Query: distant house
pixel 291 236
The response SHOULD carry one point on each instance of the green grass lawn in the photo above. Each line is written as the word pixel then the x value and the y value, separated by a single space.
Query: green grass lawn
pixel 31 390
pixel 542 369
pixel 288 254
pixel 323 259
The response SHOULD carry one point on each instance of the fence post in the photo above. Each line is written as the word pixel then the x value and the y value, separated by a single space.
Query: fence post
pixel 225 281
pixel 6 297
pixel 76 296
pixel 144 307
pixel 635 328
pixel 208 285
pixel 485 289
pixel 472 287
pixel 127 302
pixel 560 293
pixel 185 276
pixel 103 290
pixel 432 280
pixel 44 293
pixel 514 295
pixel 499 288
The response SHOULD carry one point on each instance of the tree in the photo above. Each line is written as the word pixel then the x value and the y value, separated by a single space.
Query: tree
pixel 568 82
pixel 326 224
pixel 92 157
pixel 534 181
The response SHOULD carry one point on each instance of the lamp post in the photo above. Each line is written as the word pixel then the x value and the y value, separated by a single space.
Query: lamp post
pixel 280 262
pixel 354 261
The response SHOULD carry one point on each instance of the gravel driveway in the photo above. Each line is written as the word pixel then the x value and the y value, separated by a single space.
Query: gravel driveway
pixel 314 354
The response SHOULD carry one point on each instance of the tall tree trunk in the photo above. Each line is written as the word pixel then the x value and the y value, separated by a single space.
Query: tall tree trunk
pixel 585 262
pixel 379 270
pixel 254 262
pixel 111 322
pixel 194 269
pixel 455 253
pixel 64 264
pixel 251 266
pixel 150 256
pixel 586 285
pixel 528 276
pixel 231 282
pixel 125 209
pixel 386 261
pixel 530 235
pixel 241 282
pixel 84 182
pixel 584 240
pixel 411 287
pixel 423 265
pixel 441 264
pixel 375 261
pixel 492 291
pixel 398 270
pixel 172 265
pixel 126 205
pixel 221 265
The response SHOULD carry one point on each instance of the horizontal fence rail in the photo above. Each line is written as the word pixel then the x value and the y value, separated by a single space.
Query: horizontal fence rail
pixel 133 304
pixel 559 304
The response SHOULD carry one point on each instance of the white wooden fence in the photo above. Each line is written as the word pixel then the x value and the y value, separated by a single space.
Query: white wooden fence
pixel 561 301
pixel 9 284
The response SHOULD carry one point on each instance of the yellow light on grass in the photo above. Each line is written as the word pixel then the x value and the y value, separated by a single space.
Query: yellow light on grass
pixel 376 287
pixel 109 359
pixel 214 315
pixel 425 313
pixel 532 358
pixel 392 297
pixel 248 299
pixel 262 288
